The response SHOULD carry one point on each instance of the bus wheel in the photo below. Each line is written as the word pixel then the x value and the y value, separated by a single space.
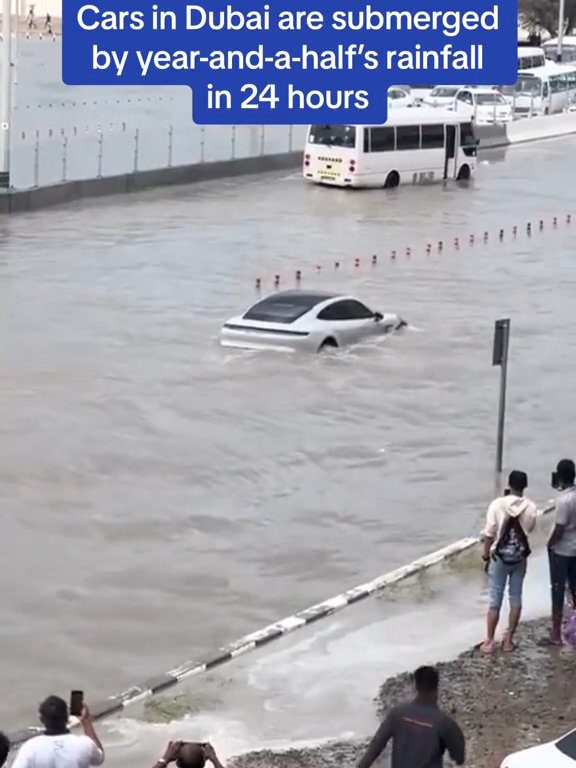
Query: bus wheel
pixel 463 173
pixel 392 180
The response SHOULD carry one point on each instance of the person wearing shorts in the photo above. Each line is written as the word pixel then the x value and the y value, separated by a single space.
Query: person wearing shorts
pixel 507 571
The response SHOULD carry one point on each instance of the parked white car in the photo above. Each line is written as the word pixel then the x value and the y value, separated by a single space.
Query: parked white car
pixel 306 320
pixel 555 754
pixel 484 105
pixel 399 97
pixel 442 96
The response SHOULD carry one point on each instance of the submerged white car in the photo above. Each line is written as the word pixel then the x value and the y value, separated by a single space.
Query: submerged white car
pixel 306 320
pixel 442 96
pixel 555 754
pixel 484 105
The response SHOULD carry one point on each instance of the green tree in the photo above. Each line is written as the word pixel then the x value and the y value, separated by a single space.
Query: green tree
pixel 543 14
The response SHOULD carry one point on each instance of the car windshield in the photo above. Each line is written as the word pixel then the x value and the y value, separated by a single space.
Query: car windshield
pixel 333 135
pixel 444 93
pixel 489 98
pixel 567 745
pixel 283 308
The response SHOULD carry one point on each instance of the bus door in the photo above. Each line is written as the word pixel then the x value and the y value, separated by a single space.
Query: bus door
pixel 450 152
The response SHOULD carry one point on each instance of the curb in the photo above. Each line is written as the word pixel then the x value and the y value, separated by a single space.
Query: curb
pixel 251 642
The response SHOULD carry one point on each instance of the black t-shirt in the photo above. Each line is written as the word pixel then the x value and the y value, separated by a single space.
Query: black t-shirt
pixel 421 733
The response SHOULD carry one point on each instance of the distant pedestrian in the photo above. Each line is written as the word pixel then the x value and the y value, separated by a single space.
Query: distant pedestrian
pixel 562 546
pixel 31 18
pixel 420 732
pixel 57 747
pixel 509 521
pixel 48 24
pixel 188 754
pixel 4 748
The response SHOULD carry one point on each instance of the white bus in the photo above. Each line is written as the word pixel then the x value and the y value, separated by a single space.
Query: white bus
pixel 528 58
pixel 416 145
pixel 550 48
pixel 543 90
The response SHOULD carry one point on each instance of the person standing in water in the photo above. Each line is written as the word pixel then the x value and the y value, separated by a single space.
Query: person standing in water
pixel 509 521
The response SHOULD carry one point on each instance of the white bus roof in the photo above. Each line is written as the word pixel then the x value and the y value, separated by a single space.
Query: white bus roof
pixel 524 50
pixel 420 115
pixel 550 68
pixel 566 40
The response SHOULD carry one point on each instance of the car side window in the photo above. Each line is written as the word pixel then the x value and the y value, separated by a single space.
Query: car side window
pixel 347 309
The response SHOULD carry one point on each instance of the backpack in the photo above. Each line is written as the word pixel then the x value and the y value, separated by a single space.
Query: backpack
pixel 512 546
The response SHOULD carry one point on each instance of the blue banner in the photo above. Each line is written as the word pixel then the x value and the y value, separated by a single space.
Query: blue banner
pixel 251 62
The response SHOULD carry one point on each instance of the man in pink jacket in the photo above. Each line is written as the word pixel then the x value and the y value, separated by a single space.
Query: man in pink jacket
pixel 509 521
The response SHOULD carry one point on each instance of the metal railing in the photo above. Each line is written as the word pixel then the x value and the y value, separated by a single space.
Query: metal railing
pixel 45 156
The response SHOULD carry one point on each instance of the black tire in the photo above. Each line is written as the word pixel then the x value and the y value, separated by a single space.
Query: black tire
pixel 463 173
pixel 328 343
pixel 392 180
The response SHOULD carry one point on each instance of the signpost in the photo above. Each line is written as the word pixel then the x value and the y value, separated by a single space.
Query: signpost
pixel 500 358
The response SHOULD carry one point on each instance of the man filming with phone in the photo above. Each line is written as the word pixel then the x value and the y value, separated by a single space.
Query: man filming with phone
pixel 57 746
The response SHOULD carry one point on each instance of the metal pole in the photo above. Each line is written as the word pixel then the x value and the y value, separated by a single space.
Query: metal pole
pixel 501 415
pixel 500 358
pixel 16 45
pixel 6 95
pixel 560 30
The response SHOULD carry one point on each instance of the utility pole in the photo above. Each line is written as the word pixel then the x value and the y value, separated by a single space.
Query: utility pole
pixel 500 358
pixel 6 94
pixel 561 25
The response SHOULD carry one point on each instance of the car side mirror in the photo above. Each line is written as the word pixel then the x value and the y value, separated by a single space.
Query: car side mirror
pixel 378 317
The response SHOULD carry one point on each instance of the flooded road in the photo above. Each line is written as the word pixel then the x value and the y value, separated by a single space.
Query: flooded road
pixel 162 496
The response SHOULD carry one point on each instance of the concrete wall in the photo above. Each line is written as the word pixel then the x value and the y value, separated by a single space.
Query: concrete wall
pixel 44 197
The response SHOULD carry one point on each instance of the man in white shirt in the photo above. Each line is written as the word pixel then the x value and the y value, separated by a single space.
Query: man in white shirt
pixel 509 521
pixel 57 747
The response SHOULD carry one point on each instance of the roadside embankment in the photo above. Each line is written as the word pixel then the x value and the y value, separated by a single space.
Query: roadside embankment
pixel 503 703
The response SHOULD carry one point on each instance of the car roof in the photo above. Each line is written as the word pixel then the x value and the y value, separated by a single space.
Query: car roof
pixel 313 297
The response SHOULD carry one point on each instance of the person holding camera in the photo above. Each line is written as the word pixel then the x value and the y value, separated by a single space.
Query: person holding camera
pixel 57 746
pixel 509 521
pixel 562 546
pixel 188 754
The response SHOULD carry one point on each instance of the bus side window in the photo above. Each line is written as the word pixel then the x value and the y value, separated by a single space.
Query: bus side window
pixel 382 139
pixel 432 136
pixel 366 140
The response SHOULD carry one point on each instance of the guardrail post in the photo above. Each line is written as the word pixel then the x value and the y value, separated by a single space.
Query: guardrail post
pixel 100 152
pixel 262 139
pixel 64 157
pixel 170 145
pixel 233 143
pixel 136 149
pixel 290 138
pixel 37 159
pixel 202 143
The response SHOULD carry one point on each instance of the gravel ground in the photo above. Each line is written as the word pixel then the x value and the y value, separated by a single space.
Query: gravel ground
pixel 503 703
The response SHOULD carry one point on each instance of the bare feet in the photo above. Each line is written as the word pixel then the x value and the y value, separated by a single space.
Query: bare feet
pixel 508 645
pixel 487 646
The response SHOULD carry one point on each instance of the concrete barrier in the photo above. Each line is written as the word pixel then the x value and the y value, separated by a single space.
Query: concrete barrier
pixel 545 127
pixel 492 136
pixel 251 642
pixel 16 201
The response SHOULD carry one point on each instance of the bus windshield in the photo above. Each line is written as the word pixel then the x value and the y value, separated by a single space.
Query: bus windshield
pixel 333 135
pixel 489 98
pixel 529 84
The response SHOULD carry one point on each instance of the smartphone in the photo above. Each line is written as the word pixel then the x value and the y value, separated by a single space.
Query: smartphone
pixel 76 703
